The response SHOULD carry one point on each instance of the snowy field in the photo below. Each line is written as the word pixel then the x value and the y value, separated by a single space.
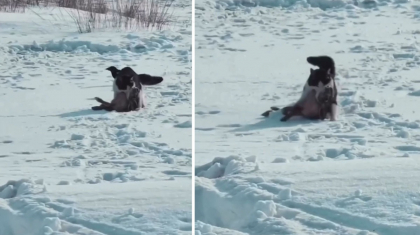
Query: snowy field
pixel 359 175
pixel 66 169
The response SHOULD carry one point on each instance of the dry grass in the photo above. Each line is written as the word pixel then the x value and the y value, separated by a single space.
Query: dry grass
pixel 12 5
pixel 89 15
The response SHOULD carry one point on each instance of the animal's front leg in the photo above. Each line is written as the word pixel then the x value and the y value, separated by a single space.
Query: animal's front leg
pixel 334 110
pixel 324 111
pixel 134 100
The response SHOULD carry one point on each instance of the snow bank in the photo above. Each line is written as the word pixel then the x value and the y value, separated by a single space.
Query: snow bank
pixel 226 166
pixel 17 188
pixel 207 229
pixel 20 214
pixel 232 203
pixel 135 46
pixel 244 205
pixel 253 205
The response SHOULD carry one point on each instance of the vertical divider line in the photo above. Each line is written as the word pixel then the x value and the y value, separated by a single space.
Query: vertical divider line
pixel 193 116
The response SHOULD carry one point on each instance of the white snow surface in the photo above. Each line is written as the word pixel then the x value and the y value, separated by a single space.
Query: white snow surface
pixel 358 175
pixel 66 169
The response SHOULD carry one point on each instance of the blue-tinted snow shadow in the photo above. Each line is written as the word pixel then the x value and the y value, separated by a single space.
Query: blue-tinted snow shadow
pixel 273 121
pixel 84 112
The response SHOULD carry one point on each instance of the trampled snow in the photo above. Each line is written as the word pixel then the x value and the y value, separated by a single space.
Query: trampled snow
pixel 259 176
pixel 66 169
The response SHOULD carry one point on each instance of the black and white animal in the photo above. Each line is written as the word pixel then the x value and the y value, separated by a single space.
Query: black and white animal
pixel 124 101
pixel 319 95
pixel 128 90
pixel 123 82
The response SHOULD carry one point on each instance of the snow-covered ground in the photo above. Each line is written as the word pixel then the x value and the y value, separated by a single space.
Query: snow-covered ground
pixel 66 169
pixel 259 176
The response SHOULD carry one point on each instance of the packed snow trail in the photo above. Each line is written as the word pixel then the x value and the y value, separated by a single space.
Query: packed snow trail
pixel 259 176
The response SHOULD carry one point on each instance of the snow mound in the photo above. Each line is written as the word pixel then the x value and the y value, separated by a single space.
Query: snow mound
pixel 257 206
pixel 75 162
pixel 22 215
pixel 186 124
pixel 220 167
pixel 247 205
pixel 17 188
pixel 31 217
pixel 88 46
pixel 207 229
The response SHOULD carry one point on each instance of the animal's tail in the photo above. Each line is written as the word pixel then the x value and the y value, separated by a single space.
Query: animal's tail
pixel 323 62
pixel 147 80
pixel 101 101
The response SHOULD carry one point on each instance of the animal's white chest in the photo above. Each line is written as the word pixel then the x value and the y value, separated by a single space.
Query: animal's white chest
pixel 318 89
pixel 142 97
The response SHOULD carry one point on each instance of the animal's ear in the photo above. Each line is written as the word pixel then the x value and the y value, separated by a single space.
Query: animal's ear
pixel 148 80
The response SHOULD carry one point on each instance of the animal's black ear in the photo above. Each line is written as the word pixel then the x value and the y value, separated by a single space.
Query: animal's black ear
pixel 148 80
pixel 311 60
pixel 112 68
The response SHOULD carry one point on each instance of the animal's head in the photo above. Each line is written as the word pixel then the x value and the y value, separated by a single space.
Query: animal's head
pixel 323 62
pixel 113 70
pixel 124 82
